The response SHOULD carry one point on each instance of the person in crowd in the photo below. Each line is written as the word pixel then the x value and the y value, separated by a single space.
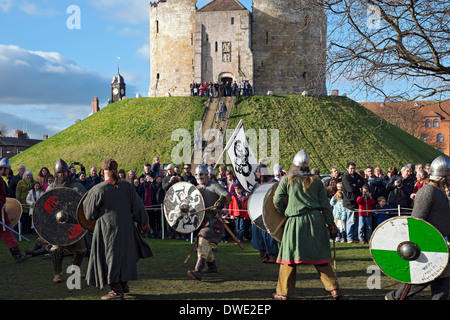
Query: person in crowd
pixel 82 179
pixel 383 211
pixel 116 245
pixel 171 178
pixel 131 175
pixel 238 210
pixel 93 178
pixel 147 171
pixel 138 186
pixel 188 176
pixel 50 180
pixel 43 176
pixel 23 187
pixel 399 188
pixel 339 214
pixel 156 165
pixel 351 184
pixel 309 225
pixel 334 174
pixel 33 196
pixel 421 176
pixel 366 205
pixel 12 185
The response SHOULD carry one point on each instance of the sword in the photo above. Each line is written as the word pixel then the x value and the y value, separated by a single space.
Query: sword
pixel 14 231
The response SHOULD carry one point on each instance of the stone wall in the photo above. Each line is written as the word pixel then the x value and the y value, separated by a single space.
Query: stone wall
pixel 172 26
pixel 288 42
pixel 214 31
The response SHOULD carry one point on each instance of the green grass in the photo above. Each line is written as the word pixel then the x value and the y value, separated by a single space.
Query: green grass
pixel 333 130
pixel 163 277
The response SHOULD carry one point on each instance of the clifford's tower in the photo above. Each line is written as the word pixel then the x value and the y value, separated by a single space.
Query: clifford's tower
pixel 289 46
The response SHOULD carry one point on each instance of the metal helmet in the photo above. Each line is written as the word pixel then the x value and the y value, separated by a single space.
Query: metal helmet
pixel 301 159
pixel 440 169
pixel 201 169
pixel 5 163
pixel 61 166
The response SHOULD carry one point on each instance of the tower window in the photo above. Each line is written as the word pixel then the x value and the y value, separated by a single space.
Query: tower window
pixel 267 37
pixel 232 20
pixel 440 137
pixel 427 123
pixel 157 76
pixel 217 46
pixel 435 123
pixel 157 26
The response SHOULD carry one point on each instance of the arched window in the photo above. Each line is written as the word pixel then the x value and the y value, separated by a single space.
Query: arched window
pixel 427 123
pixel 440 137
pixel 435 123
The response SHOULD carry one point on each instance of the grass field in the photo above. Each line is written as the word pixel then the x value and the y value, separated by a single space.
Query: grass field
pixel 241 276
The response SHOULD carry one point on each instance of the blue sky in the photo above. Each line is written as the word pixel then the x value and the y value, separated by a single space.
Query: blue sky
pixel 50 71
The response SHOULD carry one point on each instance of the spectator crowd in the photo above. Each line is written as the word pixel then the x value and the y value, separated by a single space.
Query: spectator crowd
pixel 361 199
pixel 222 89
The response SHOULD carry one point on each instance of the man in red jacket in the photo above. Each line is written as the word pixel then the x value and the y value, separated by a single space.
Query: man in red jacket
pixel 238 210
pixel 366 205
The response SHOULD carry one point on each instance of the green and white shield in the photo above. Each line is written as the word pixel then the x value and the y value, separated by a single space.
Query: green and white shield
pixel 409 250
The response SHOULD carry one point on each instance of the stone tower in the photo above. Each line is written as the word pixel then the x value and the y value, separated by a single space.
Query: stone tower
pixel 289 46
pixel 172 28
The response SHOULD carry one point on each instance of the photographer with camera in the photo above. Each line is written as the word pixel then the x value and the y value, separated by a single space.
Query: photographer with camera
pixel 399 188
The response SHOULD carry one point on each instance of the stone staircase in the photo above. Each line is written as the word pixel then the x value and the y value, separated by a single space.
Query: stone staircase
pixel 213 120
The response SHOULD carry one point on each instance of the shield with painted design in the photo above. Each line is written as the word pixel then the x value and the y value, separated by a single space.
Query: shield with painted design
pixel 409 250
pixel 55 217
pixel 184 207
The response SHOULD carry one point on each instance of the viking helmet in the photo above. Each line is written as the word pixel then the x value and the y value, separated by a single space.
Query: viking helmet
pixel 5 163
pixel 301 159
pixel 201 169
pixel 211 171
pixel 61 166
pixel 440 169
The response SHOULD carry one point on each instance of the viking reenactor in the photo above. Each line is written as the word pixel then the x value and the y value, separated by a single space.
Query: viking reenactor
pixel 211 232
pixel 5 233
pixel 63 178
pixel 117 245
pixel 431 205
pixel 309 224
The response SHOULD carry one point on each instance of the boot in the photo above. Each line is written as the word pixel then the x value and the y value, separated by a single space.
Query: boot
pixel 77 260
pixel 263 256
pixel 57 259
pixel 196 274
pixel 125 287
pixel 115 293
pixel 211 267
pixel 17 255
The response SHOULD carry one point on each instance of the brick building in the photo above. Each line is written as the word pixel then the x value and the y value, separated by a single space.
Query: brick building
pixel 11 146
pixel 428 121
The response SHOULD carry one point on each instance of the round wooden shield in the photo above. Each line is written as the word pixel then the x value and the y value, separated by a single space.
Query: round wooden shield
pixel 273 220
pixel 409 250
pixel 182 204
pixel 256 204
pixel 55 217
pixel 14 210
pixel 85 223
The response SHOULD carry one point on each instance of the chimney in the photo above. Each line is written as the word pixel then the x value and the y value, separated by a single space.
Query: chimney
pixel 335 93
pixel 95 106
pixel 19 134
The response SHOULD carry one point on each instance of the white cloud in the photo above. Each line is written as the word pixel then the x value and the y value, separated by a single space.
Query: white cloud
pixel 32 9
pixel 5 5
pixel 37 77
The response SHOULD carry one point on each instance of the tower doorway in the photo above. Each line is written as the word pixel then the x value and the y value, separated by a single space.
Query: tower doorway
pixel 225 80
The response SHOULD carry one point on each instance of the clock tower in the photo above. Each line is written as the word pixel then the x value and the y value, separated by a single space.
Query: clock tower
pixel 118 87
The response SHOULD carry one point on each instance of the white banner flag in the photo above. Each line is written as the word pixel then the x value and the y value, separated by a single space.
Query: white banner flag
pixel 241 156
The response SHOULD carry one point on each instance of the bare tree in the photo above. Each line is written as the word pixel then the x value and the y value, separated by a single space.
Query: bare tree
pixel 3 129
pixel 378 44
